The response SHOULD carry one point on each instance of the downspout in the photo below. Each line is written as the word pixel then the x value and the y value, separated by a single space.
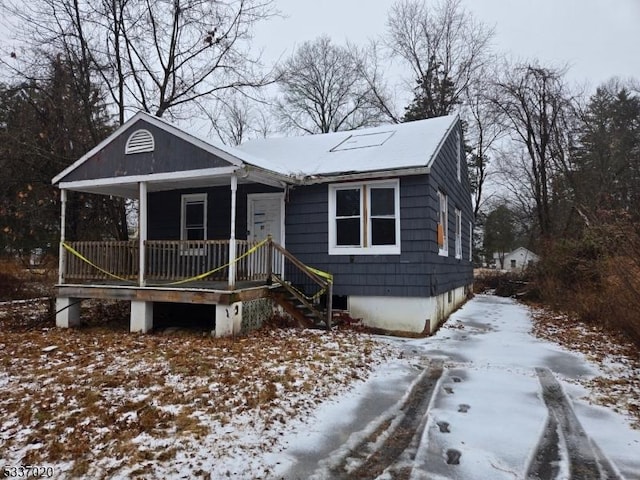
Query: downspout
pixel 142 232
pixel 62 258
pixel 232 236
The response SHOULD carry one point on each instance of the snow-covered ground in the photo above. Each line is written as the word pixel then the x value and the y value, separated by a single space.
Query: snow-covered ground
pixel 478 400
pixel 486 419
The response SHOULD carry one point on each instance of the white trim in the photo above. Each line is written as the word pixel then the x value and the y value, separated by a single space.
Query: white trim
pixel 151 178
pixel 232 235
pixel 444 250
pixel 373 174
pixel 62 255
pixel 142 232
pixel 365 247
pixel 187 198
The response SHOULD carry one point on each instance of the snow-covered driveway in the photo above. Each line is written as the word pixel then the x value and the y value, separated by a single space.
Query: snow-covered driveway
pixel 482 399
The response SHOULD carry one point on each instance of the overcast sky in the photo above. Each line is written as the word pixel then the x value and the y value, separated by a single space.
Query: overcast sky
pixel 597 38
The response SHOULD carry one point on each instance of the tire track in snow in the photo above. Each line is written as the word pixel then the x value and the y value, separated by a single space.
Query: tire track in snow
pixel 401 436
pixel 563 436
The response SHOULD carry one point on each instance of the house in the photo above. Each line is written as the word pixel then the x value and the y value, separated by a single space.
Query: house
pixel 517 260
pixel 375 221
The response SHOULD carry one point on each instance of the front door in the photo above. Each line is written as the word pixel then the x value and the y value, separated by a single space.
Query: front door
pixel 265 213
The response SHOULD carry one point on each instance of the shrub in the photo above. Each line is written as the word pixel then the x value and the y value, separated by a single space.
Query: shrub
pixel 596 277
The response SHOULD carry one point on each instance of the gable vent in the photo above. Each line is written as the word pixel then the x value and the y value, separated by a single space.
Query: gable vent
pixel 140 141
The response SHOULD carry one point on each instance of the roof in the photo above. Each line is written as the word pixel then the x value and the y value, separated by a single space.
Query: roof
pixel 386 148
pixel 382 148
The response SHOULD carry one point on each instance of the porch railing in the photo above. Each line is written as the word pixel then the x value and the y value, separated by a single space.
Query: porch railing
pixel 117 260
pixel 169 261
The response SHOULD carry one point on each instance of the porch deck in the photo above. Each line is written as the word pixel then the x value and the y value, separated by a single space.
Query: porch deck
pixel 190 272
pixel 206 292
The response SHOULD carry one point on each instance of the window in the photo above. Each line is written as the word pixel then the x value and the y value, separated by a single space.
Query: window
pixel 458 233
pixel 194 217
pixel 513 264
pixel 364 218
pixel 443 225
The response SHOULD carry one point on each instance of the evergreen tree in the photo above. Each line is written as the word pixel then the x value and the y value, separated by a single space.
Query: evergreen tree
pixel 608 157
pixel 44 127
pixel 435 96
pixel 499 233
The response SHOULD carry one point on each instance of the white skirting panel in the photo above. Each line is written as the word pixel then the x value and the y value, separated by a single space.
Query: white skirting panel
pixel 413 315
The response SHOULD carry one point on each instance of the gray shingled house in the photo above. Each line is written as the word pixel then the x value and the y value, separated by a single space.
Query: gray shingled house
pixel 376 222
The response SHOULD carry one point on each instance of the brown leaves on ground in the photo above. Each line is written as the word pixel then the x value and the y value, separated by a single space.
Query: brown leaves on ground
pixel 96 401
pixel 617 357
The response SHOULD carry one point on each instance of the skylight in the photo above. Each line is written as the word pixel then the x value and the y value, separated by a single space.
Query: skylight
pixel 363 141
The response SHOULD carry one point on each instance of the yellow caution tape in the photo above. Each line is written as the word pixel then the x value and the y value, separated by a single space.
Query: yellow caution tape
pixel 322 274
pixel 186 280
pixel 85 259
pixel 206 274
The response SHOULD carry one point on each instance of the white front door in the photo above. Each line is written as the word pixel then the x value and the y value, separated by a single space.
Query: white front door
pixel 265 212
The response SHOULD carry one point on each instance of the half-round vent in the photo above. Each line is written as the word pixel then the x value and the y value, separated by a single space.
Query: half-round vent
pixel 140 141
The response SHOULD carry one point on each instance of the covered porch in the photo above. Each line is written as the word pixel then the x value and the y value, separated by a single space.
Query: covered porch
pixel 209 227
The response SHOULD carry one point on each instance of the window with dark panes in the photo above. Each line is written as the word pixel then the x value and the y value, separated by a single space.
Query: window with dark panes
pixel 383 219
pixel 194 214
pixel 348 217
pixel 364 218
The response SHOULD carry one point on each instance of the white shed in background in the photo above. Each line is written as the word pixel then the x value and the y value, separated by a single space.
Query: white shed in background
pixel 518 259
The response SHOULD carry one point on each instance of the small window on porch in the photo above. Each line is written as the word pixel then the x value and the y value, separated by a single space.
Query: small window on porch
pixel 140 141
pixel 194 217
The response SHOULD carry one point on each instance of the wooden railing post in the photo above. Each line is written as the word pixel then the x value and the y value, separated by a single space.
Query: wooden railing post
pixel 269 260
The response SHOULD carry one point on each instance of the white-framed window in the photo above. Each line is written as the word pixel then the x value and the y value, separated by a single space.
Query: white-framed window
pixel 364 218
pixel 458 233
pixel 471 241
pixel 193 218
pixel 458 157
pixel 443 225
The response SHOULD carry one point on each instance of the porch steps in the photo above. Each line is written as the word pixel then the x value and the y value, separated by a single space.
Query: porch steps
pixel 307 316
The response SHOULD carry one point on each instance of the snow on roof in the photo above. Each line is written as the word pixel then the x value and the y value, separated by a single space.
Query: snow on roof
pixel 387 147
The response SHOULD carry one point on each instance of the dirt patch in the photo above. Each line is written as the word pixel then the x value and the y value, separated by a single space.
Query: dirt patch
pixel 98 401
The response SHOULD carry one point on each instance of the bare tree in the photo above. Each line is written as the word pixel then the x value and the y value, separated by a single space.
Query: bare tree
pixel 238 118
pixel 372 67
pixel 323 90
pixel 536 107
pixel 153 55
pixel 443 45
pixel 484 129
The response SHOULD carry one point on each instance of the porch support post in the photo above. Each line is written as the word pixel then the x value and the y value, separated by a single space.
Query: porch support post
pixel 141 316
pixel 67 312
pixel 62 257
pixel 232 237
pixel 142 231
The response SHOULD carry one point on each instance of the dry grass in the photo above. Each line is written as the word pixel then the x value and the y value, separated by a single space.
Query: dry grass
pixel 106 401
pixel 617 357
